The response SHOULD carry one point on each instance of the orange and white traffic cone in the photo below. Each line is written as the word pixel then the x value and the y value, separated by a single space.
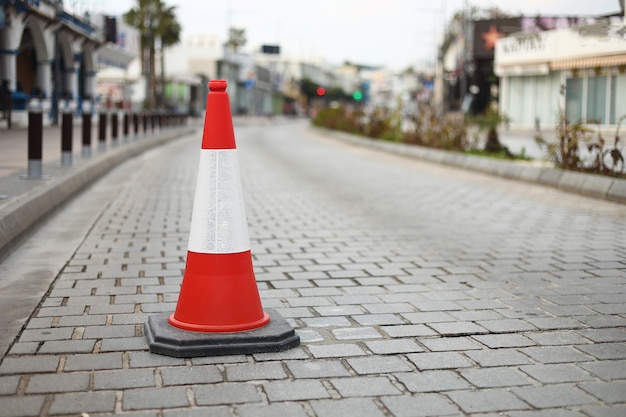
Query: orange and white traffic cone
pixel 219 309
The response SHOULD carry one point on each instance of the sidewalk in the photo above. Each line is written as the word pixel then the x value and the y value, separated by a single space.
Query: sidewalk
pixel 23 202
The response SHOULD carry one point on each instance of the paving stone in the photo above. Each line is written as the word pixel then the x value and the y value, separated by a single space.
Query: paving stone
pixel 566 337
pixel 63 333
pixel 272 410
pixel 499 357
pixel 21 406
pixel 250 372
pixel 290 354
pixel 377 319
pixel 67 346
pixel 439 360
pixel 559 373
pixel 123 344
pixel 326 322
pixel 302 389
pixel 317 369
pixel 378 365
pixel 609 392
pixel 498 341
pixel 122 379
pixel 444 344
pixel 108 332
pixel 408 330
pixel 432 381
pixel 147 359
pixel 94 361
pixel 388 347
pixel 9 384
pixel 216 411
pixel 549 396
pixel 29 364
pixel 605 411
pixel 495 377
pixel 604 335
pixel 27 348
pixel 51 383
pixel 555 354
pixel 506 325
pixel 606 370
pixel 83 402
pixel 356 333
pixel 227 393
pixel 487 401
pixel 150 398
pixel 428 317
pixel 364 386
pixel 420 405
pixel 604 351
pixel 339 350
pixel 346 407
pixel 204 374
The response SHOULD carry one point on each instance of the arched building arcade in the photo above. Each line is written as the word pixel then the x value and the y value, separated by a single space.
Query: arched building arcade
pixel 49 54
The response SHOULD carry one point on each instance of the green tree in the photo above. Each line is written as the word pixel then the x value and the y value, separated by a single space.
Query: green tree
pixel 154 19
pixel 236 38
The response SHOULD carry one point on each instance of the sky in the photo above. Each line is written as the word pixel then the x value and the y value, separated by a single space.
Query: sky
pixel 392 33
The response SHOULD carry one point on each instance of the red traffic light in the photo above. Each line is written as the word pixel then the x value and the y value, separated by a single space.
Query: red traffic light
pixel 320 91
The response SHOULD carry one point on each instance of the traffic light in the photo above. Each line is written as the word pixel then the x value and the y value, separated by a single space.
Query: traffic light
pixel 357 95
pixel 320 91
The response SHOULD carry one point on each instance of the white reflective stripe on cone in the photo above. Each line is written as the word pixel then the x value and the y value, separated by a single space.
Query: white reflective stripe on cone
pixel 218 220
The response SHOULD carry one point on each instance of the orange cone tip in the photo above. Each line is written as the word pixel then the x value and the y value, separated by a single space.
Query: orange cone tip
pixel 219 291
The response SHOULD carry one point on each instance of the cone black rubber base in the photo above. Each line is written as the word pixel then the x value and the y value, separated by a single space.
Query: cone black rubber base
pixel 166 339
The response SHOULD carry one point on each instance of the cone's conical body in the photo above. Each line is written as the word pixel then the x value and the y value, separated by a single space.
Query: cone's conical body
pixel 219 291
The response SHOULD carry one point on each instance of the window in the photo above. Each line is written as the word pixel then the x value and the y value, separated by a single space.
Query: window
pixel 574 99
pixel 596 100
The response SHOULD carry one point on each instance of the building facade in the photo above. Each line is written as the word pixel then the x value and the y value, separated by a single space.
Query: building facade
pixel 47 53
pixel 579 71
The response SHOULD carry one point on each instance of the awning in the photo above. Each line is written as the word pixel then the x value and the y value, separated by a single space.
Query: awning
pixel 594 62
pixel 114 56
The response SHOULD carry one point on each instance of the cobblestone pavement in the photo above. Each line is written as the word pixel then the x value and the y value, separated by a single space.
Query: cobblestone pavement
pixel 416 289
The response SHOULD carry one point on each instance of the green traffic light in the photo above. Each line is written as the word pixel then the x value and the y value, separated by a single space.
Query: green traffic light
pixel 357 95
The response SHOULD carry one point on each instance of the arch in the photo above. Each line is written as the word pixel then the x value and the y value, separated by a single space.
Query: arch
pixel 31 51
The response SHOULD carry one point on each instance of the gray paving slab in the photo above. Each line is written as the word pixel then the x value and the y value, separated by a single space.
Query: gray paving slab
pixel 417 290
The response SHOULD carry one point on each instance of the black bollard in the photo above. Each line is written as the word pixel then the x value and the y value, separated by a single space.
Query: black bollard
pixel 114 129
pixel 67 130
pixel 152 122
pixel 136 125
pixel 86 130
pixel 125 126
pixel 35 141
pixel 102 132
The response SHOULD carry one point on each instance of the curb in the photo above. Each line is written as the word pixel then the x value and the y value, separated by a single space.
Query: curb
pixel 27 209
pixel 590 185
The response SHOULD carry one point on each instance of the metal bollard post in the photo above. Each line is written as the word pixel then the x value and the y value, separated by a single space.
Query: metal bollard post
pixel 114 129
pixel 86 129
pixel 125 126
pixel 136 125
pixel 35 141
pixel 152 122
pixel 102 132
pixel 145 123
pixel 67 131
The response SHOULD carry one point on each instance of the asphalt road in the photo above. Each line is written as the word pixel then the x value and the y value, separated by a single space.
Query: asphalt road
pixel 417 290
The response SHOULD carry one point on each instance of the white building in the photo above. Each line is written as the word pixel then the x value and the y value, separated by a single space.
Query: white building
pixel 580 70
pixel 47 53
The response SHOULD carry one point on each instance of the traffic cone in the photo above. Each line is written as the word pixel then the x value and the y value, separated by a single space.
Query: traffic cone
pixel 219 309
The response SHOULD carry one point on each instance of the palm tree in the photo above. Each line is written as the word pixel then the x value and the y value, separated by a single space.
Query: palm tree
pixel 153 19
pixel 236 38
